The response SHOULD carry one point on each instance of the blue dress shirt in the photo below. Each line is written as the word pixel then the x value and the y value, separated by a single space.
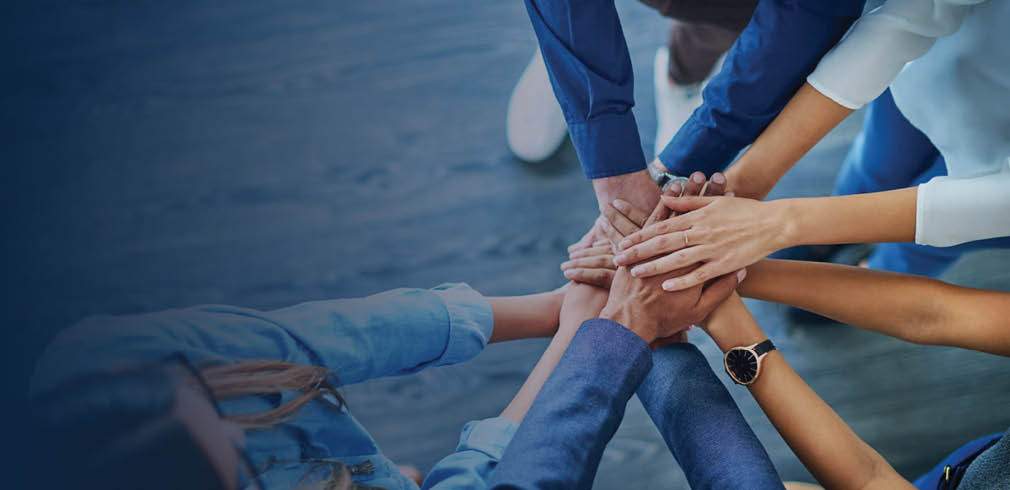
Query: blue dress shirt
pixel 590 69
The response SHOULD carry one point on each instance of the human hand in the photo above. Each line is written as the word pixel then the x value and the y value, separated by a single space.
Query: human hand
pixel 594 264
pixel 582 302
pixel 725 234
pixel 658 316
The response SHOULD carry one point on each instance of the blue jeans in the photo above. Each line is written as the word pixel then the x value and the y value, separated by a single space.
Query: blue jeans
pixel 889 154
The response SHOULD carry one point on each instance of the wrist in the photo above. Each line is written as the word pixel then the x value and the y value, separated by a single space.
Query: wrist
pixel 637 188
pixel 625 318
pixel 731 325
pixel 786 218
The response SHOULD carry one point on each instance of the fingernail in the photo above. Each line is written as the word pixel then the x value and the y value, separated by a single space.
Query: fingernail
pixel 718 179
pixel 697 178
pixel 568 274
pixel 740 275
pixel 565 265
pixel 620 205
pixel 618 264
pixel 620 258
pixel 624 244
pixel 637 271
pixel 675 188
pixel 668 285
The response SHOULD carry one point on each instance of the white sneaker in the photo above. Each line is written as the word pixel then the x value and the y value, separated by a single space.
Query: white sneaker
pixel 535 126
pixel 674 103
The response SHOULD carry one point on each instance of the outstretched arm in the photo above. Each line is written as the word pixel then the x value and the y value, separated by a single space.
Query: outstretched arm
pixel 912 308
pixel 834 454
pixel 729 233
pixel 523 317
pixel 581 302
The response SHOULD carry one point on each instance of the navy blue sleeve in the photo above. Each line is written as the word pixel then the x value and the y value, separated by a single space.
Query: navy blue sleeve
pixel 561 440
pixel 702 425
pixel 781 45
pixel 590 69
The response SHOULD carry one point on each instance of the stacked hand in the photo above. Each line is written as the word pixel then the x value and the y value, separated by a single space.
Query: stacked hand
pixel 640 303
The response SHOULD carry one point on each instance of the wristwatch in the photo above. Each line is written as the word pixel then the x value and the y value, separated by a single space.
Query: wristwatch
pixel 663 179
pixel 743 364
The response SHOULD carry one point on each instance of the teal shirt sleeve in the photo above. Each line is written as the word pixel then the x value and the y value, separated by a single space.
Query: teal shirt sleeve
pixel 481 445
pixel 391 333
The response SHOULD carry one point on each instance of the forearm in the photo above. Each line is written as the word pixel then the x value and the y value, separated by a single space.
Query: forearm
pixel 523 317
pixel 861 218
pixel 580 303
pixel 637 188
pixel 828 448
pixel 692 409
pixel 807 118
pixel 520 404
pixel 912 308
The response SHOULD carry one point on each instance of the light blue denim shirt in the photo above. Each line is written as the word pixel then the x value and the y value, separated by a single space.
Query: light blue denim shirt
pixel 392 333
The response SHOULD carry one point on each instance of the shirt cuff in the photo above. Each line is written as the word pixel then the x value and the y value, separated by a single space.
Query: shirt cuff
pixel 608 146
pixel 470 322
pixel 950 211
pixel 488 436
pixel 699 147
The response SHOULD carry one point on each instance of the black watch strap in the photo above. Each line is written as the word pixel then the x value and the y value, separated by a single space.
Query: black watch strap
pixel 764 347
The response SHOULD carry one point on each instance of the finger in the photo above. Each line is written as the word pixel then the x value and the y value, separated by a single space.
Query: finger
pixel 686 204
pixel 600 243
pixel 694 184
pixel 608 231
pixel 597 262
pixel 670 225
pixel 619 222
pixel 630 211
pixel 597 277
pixel 718 290
pixel 694 278
pixel 716 185
pixel 730 194
pixel 662 244
pixel 670 263
pixel 661 212
pixel 604 249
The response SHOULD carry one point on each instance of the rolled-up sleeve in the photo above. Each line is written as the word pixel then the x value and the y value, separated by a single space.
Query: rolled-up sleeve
pixel 950 211
pixel 481 445
pixel 590 70
pixel 396 332
pixel 879 45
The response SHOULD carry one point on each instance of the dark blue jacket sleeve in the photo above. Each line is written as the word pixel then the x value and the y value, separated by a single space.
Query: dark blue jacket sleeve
pixel 767 65
pixel 561 440
pixel 590 69
pixel 702 425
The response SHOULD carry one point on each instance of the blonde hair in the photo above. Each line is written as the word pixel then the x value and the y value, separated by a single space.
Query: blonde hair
pixel 268 376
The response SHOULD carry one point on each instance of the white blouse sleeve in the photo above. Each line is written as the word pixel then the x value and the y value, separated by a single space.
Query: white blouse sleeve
pixel 951 210
pixel 880 43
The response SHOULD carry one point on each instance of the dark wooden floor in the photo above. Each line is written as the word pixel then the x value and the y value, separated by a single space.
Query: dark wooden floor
pixel 267 153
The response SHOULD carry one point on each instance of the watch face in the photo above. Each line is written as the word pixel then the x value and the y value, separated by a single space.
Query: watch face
pixel 742 365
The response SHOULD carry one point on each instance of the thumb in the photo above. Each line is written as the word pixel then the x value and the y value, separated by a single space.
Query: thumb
pixel 717 291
